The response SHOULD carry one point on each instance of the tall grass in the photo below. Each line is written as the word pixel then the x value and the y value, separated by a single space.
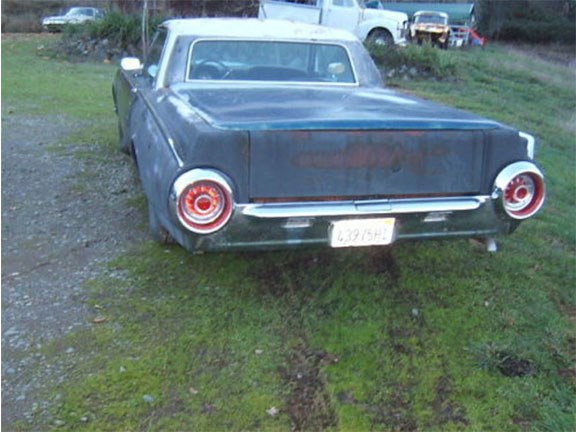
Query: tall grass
pixel 428 61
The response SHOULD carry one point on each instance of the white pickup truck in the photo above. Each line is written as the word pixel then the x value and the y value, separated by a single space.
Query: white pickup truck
pixel 366 19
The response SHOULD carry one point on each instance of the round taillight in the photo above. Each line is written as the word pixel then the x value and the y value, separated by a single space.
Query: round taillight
pixel 203 201
pixel 522 189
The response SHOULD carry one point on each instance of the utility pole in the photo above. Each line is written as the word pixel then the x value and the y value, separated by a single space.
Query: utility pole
pixel 144 35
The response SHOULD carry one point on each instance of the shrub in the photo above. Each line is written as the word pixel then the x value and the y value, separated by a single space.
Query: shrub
pixel 532 21
pixel 425 60
pixel 116 33
pixel 531 31
pixel 123 31
pixel 23 23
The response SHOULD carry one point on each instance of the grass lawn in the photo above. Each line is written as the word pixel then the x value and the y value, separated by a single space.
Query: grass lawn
pixel 431 336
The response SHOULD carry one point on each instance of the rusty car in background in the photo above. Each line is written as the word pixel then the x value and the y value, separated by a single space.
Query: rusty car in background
pixel 430 27
pixel 262 134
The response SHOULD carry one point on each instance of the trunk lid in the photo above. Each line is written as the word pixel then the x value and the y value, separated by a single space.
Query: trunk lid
pixel 256 107
pixel 348 142
pixel 365 164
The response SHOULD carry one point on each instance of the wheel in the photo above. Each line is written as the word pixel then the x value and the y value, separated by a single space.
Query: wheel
pixel 132 154
pixel 446 43
pixel 159 233
pixel 380 37
pixel 122 141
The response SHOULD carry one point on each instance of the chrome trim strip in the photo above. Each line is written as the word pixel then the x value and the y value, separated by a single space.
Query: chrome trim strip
pixel 530 144
pixel 361 208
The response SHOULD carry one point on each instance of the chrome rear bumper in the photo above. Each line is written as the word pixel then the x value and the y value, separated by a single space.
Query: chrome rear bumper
pixel 293 225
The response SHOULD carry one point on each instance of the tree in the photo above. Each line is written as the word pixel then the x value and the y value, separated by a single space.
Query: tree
pixel 528 20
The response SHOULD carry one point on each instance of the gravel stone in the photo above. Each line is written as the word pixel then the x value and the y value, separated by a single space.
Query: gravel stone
pixel 63 217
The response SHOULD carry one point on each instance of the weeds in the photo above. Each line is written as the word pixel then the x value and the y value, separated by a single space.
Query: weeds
pixel 427 61
pixel 121 33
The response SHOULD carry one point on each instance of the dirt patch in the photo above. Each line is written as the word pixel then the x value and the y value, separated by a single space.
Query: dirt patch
pixel 513 366
pixel 315 270
pixel 308 403
pixel 395 413
pixel 382 261
pixel 285 273
pixel 63 217
pixel 445 410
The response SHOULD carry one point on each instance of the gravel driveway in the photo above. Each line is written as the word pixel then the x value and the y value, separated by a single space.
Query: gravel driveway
pixel 65 213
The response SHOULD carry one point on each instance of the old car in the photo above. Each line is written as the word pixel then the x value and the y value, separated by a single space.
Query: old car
pixel 430 27
pixel 75 15
pixel 262 134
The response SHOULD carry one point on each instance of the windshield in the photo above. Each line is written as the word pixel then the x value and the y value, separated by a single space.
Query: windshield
pixel 248 60
pixel 79 11
pixel 432 19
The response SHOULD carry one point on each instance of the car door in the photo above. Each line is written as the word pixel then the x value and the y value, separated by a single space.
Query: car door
pixel 344 14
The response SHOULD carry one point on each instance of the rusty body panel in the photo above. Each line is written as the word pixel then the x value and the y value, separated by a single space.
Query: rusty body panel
pixel 380 163
pixel 282 162
pixel 431 27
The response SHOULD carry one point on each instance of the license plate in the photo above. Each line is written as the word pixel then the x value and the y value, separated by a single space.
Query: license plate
pixel 362 232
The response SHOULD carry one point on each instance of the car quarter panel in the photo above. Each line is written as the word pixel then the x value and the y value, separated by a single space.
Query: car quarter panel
pixel 155 158
pixel 200 145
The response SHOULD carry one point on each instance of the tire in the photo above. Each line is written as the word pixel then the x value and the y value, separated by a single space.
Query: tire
pixel 446 43
pixel 380 37
pixel 159 233
pixel 122 141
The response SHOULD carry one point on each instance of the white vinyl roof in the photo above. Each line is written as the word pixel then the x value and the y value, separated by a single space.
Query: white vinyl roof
pixel 434 13
pixel 254 28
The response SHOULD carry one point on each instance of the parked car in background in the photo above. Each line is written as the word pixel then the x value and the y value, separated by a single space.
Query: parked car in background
pixel 266 134
pixel 430 27
pixel 76 15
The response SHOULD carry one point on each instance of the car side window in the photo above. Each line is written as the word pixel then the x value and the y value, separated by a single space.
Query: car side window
pixel 155 53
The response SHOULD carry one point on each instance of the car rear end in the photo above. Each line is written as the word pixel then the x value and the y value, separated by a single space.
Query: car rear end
pixel 331 160
pixel 344 188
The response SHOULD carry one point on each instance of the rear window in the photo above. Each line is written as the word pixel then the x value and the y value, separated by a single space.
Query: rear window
pixel 240 60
